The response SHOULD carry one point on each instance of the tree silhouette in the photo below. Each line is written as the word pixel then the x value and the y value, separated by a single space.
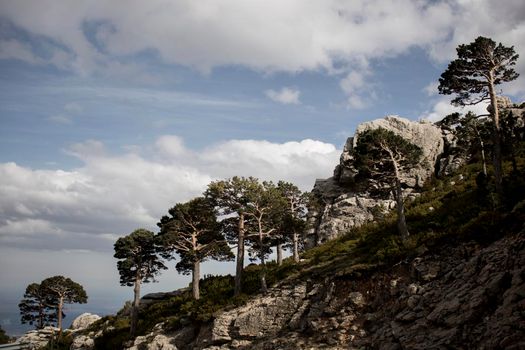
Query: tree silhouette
pixel 473 77
pixel 138 263
pixel 38 307
pixel 65 291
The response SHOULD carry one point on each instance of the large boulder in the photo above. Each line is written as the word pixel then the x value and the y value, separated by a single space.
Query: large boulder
pixel 84 321
pixel 344 205
pixel 38 338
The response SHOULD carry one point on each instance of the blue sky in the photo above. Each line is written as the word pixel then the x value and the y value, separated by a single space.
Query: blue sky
pixel 112 112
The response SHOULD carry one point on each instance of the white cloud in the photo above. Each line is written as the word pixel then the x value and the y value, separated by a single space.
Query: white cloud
pixel 442 107
pixel 359 89
pixel 261 35
pixel 285 95
pixel 111 195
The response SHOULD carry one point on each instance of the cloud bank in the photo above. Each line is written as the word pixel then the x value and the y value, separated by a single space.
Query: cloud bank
pixel 111 195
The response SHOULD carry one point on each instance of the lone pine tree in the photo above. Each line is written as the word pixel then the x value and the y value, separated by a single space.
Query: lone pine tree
pixel 138 263
pixel 382 155
pixel 473 77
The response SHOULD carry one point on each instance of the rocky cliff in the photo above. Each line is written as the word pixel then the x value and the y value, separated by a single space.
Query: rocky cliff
pixel 344 204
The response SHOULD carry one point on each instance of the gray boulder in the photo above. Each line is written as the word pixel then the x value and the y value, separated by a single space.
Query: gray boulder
pixel 344 205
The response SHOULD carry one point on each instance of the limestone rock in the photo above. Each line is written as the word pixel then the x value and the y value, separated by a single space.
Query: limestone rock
pixel 344 205
pixel 84 321
pixel 153 342
pixel 82 342
pixel 425 135
pixel 38 338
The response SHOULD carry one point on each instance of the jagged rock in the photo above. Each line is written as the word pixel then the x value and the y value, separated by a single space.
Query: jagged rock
pixel 84 321
pixel 153 342
pixel 82 342
pixel 38 338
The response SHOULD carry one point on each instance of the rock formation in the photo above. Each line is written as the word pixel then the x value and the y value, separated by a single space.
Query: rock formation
pixel 344 204
pixel 84 321
pixel 38 338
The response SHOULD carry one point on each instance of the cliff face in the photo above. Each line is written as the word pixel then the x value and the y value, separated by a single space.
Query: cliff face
pixel 345 204
pixel 459 296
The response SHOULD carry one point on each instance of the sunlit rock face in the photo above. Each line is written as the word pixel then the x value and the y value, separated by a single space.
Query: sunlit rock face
pixel 345 204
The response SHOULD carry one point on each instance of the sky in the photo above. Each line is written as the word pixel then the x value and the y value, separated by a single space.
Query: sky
pixel 111 112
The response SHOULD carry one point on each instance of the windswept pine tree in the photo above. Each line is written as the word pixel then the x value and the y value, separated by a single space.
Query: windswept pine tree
pixel 138 263
pixel 65 291
pixel 231 197
pixel 192 233
pixel 38 307
pixel 473 77
pixel 384 156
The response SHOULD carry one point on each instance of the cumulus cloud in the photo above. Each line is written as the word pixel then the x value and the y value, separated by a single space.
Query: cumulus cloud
pixel 285 95
pixel 267 36
pixel 442 107
pixel 111 195
pixel 359 89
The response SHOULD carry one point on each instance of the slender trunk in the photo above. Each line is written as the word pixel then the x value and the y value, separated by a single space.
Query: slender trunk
pixel 59 316
pixel 135 308
pixel 195 279
pixel 295 247
pixel 264 287
pixel 401 220
pixel 279 249
pixel 398 194
pixel 496 135
pixel 482 145
pixel 483 159
pixel 240 256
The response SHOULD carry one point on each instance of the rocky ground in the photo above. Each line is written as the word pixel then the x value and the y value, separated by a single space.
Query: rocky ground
pixel 466 296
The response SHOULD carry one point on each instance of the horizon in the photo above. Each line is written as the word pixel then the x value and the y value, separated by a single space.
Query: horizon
pixel 111 117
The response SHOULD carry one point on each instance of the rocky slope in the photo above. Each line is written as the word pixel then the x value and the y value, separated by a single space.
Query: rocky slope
pixel 459 296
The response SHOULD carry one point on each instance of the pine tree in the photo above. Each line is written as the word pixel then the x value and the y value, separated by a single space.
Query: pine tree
pixel 138 263
pixel 229 197
pixel 38 307
pixel 383 156
pixel 192 232
pixel 473 77
pixel 65 291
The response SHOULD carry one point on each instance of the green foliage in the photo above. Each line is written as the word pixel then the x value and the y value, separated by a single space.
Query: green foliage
pixel 4 338
pixel 193 233
pixel 479 64
pixel 38 306
pixel 115 332
pixel 137 254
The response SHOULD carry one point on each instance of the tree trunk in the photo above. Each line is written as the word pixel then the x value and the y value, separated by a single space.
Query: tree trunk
pixel 59 316
pixel 295 247
pixel 195 279
pixel 496 135
pixel 240 256
pixel 264 287
pixel 135 308
pixel 279 249
pixel 401 220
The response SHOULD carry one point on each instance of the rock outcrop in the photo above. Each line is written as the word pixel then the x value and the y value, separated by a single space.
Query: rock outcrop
pixel 343 204
pixel 38 338
pixel 84 321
